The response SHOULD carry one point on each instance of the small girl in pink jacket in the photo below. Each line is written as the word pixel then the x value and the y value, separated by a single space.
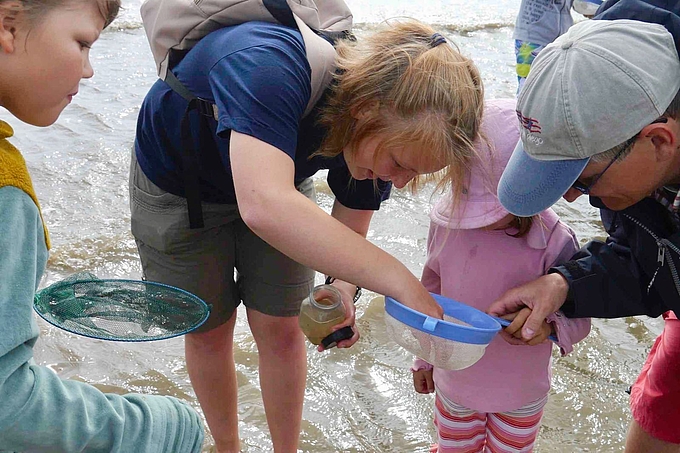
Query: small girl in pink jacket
pixel 477 251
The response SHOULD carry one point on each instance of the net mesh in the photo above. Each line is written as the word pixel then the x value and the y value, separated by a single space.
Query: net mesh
pixel 440 352
pixel 120 310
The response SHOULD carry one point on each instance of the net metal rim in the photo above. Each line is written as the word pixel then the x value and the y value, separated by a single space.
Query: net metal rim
pixel 206 308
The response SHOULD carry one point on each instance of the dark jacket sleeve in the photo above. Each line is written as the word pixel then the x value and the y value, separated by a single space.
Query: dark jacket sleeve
pixel 663 12
pixel 623 275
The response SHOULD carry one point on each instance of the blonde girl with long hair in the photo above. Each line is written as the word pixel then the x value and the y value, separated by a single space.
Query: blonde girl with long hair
pixel 405 103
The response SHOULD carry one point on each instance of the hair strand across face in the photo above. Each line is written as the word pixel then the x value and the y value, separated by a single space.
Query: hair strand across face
pixel 403 88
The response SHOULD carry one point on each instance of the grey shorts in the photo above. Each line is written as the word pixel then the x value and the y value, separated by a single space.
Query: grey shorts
pixel 223 263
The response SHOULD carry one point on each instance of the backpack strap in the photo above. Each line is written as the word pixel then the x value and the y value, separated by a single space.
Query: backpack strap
pixel 281 11
pixel 204 106
pixel 322 64
pixel 189 154
pixel 189 157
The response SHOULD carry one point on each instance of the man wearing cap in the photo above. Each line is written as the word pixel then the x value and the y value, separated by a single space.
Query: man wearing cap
pixel 599 115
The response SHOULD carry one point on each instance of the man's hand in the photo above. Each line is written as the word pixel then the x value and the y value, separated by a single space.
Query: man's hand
pixel 543 296
pixel 347 291
pixel 422 381
pixel 513 334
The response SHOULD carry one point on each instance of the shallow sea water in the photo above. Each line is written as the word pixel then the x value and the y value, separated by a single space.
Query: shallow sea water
pixel 357 400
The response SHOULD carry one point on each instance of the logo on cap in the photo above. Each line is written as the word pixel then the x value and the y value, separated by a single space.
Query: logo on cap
pixel 530 124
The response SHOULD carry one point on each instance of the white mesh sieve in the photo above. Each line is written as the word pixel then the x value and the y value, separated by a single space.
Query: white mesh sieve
pixel 440 352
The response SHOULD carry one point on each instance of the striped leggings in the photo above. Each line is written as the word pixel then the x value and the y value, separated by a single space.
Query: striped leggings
pixel 463 430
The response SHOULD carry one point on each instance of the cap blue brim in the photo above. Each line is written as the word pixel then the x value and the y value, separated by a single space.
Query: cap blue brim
pixel 529 186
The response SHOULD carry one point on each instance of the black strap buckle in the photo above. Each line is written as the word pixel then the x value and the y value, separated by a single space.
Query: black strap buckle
pixel 205 107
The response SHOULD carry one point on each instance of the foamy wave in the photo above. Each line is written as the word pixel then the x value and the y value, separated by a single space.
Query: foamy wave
pixel 124 25
pixel 451 28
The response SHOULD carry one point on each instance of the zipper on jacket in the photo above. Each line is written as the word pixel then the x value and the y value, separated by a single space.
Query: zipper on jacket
pixel 662 245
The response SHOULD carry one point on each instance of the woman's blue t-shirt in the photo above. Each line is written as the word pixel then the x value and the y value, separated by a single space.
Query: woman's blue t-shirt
pixel 258 76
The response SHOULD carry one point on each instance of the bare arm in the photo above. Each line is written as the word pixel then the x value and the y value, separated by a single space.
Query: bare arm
pixel 271 206
pixel 355 219
pixel 358 221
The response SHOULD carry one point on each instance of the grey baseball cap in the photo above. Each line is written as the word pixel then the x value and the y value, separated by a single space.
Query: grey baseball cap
pixel 591 89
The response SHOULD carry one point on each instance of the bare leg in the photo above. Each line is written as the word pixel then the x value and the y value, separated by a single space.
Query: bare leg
pixel 210 362
pixel 283 371
pixel 639 441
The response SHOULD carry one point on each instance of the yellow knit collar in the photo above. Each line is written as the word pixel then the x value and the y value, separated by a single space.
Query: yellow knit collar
pixel 13 170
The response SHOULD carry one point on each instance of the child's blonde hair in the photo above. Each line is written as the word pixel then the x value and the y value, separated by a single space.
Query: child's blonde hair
pixel 34 10
pixel 409 90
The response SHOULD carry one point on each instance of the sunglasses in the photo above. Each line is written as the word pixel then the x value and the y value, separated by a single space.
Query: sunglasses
pixel 586 188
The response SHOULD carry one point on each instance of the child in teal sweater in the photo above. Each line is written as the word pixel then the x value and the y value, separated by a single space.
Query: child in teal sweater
pixel 44 53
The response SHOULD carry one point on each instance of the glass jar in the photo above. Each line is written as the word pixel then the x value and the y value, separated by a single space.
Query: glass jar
pixel 320 311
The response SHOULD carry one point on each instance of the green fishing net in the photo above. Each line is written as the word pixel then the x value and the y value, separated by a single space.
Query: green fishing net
pixel 120 310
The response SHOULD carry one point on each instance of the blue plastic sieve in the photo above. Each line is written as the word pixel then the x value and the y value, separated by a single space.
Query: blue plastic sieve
pixel 455 342
pixel 480 328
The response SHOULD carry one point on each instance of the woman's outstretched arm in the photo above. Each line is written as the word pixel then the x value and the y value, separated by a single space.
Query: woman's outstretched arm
pixel 271 206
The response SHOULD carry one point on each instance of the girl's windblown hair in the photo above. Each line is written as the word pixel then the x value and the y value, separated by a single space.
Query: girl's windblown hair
pixel 408 91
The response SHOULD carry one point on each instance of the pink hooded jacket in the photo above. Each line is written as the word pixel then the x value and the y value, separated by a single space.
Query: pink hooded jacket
pixel 476 266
